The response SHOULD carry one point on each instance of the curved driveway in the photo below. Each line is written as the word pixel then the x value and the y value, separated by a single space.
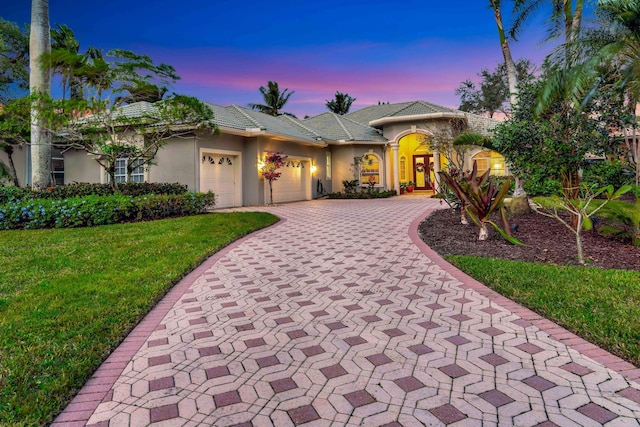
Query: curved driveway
pixel 340 316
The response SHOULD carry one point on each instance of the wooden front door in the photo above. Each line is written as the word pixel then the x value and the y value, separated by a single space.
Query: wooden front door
pixel 422 171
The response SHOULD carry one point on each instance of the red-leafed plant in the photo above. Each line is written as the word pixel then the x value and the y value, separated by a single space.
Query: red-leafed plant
pixel 481 197
pixel 269 171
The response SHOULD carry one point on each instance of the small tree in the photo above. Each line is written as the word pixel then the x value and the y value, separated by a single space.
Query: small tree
pixel 269 170
pixel 580 208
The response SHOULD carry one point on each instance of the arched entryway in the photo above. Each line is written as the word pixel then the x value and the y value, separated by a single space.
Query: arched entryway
pixel 416 163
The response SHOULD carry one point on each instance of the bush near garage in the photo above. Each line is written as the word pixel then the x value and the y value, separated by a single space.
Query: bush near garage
pixel 100 210
pixel 363 195
pixel 14 194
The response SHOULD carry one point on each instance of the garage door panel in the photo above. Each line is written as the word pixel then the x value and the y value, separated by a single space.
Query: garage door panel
pixel 293 182
pixel 217 174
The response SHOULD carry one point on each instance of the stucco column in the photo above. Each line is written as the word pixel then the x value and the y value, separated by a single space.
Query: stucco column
pixel 436 169
pixel 396 173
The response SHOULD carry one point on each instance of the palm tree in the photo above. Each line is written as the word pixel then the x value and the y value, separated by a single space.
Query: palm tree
pixel 512 74
pixel 39 84
pixel 341 104
pixel 66 60
pixel 274 100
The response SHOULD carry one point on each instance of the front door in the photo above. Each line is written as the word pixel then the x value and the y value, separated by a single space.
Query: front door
pixel 422 171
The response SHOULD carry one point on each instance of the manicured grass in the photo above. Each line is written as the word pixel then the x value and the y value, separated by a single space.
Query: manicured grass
pixel 69 296
pixel 602 306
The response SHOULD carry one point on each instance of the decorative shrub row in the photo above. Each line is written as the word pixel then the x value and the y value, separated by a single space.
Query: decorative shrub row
pixel 363 195
pixel 100 210
pixel 14 194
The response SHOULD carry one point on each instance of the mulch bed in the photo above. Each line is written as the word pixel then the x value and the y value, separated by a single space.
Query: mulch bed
pixel 547 240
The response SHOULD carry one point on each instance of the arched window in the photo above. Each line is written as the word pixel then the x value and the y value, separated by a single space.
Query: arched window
pixel 489 160
pixel 403 169
pixel 370 170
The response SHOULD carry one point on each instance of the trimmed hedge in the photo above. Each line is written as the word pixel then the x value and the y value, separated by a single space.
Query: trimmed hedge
pixel 100 210
pixel 363 195
pixel 14 194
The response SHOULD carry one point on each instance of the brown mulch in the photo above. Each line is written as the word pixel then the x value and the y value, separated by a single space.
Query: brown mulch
pixel 547 240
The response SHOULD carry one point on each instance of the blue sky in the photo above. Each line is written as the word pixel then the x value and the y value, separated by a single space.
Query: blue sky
pixel 375 50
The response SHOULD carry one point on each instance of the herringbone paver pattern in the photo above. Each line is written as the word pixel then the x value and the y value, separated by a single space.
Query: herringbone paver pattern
pixel 335 317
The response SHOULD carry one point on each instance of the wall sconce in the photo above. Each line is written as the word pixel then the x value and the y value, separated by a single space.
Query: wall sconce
pixel 313 169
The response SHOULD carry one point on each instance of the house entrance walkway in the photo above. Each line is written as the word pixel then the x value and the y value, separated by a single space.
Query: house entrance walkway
pixel 340 316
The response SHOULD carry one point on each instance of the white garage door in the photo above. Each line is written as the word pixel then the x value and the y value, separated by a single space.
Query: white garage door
pixel 293 183
pixel 218 174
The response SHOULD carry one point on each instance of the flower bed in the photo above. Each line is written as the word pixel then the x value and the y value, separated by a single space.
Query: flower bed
pixel 363 195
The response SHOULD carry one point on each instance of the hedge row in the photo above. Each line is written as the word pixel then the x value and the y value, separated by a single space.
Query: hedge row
pixel 14 194
pixel 363 195
pixel 100 210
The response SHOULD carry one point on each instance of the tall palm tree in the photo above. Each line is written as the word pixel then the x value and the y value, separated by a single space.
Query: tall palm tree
pixel 274 100
pixel 340 104
pixel 39 84
pixel 512 74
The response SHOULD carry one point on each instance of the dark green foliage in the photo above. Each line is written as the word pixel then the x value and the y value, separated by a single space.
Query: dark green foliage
pixel 274 100
pixel 340 104
pixel 492 95
pixel 13 194
pixel 94 210
pixel 603 173
pixel 541 185
pixel 363 195
pixel 350 186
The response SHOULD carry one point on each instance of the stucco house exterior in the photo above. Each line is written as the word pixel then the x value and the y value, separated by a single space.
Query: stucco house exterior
pixel 381 145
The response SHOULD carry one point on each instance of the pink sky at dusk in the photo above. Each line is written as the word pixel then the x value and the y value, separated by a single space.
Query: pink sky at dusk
pixel 378 50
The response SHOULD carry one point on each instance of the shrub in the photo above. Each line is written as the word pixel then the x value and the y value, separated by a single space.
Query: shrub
pixel 99 210
pixel 363 195
pixel 540 185
pixel 605 173
pixel 13 194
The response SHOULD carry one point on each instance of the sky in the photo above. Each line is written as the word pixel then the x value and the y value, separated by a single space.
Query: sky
pixel 375 50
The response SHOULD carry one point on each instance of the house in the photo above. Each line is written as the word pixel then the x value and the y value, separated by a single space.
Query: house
pixel 381 145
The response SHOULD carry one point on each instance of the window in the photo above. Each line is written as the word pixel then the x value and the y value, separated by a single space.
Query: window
pixel 328 165
pixel 488 159
pixel 137 174
pixel 370 170
pixel 57 166
pixel 403 169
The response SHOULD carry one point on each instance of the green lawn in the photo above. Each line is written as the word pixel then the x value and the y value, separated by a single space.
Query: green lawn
pixel 602 306
pixel 69 296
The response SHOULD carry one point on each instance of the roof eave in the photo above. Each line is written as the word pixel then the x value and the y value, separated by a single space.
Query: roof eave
pixel 414 117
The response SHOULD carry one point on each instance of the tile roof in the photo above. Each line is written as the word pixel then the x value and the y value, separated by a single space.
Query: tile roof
pixel 325 127
pixel 338 128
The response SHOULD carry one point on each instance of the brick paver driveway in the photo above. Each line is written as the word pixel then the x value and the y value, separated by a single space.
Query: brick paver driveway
pixel 335 316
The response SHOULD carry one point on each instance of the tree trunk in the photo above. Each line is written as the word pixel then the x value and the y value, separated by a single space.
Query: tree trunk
pixel 520 205
pixel 39 83
pixel 12 167
pixel 270 193
pixel 510 65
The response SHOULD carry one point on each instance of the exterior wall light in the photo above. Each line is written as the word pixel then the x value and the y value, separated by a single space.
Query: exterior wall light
pixel 313 169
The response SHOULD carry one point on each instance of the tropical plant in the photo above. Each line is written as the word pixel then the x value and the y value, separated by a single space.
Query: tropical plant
pixel 581 208
pixel 482 197
pixel 350 186
pixel 269 170
pixel 340 104
pixel 39 84
pixel 274 100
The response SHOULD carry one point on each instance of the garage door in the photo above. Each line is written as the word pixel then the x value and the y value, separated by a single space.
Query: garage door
pixel 293 183
pixel 218 174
